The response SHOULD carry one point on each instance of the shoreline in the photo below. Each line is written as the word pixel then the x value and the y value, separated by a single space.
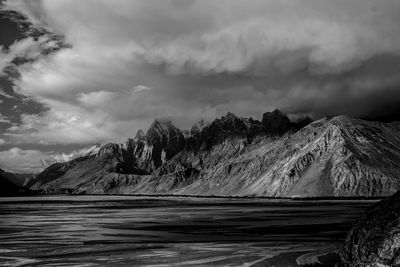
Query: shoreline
pixel 203 196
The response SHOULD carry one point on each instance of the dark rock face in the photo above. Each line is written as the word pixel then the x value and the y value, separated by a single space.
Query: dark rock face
pixel 375 238
pixel 226 127
pixel 275 123
pixel 165 140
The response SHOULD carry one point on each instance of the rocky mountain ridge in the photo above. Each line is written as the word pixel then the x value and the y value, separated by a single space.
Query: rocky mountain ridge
pixel 235 156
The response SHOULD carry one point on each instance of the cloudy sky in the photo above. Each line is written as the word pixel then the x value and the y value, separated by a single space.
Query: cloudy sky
pixel 74 73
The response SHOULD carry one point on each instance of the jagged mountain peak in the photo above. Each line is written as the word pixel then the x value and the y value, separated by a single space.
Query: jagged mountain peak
pixel 228 123
pixel 160 123
pixel 165 139
pixel 275 123
pixel 230 116
pixel 277 112
pixel 109 149
pixel 202 122
pixel 198 127
pixel 162 129
pixel 140 134
pixel 225 127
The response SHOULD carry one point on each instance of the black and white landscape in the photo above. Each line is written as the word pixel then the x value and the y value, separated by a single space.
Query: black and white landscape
pixel 199 133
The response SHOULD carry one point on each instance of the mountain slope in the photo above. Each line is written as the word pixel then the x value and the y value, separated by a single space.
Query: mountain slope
pixel 8 184
pixel 244 157
pixel 337 157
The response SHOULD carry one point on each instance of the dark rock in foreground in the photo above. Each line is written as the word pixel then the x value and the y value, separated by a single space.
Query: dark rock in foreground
pixel 375 238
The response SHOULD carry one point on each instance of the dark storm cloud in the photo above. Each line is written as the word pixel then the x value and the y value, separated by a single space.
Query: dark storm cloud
pixel 131 61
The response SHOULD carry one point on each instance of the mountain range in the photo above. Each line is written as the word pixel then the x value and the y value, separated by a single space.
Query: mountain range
pixel 233 156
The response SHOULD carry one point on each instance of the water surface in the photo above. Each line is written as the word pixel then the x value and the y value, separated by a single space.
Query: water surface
pixel 172 231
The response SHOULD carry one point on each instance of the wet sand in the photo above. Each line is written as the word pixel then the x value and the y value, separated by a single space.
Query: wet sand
pixel 172 231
